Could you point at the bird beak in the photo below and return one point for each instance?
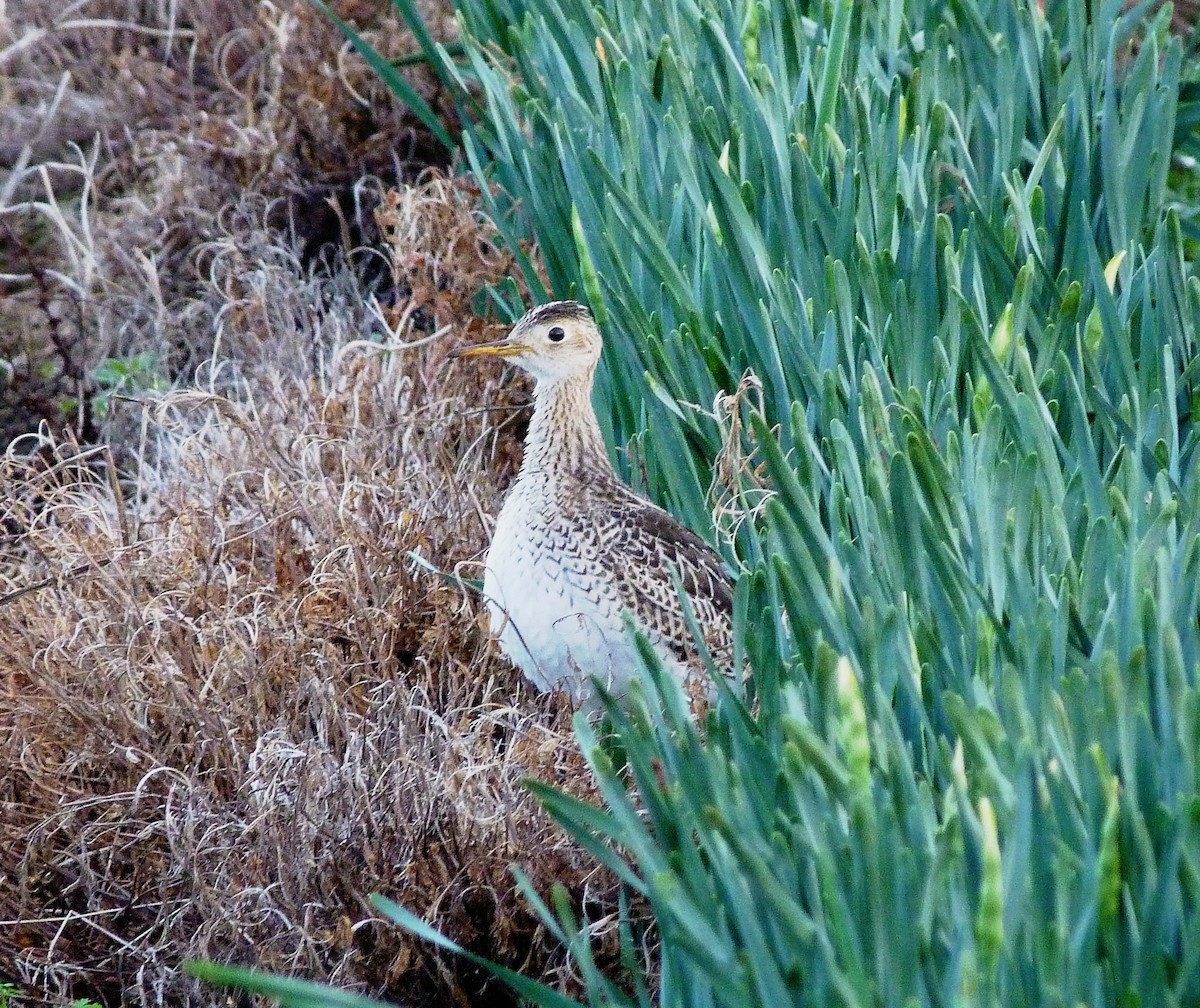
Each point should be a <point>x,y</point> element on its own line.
<point>499,348</point>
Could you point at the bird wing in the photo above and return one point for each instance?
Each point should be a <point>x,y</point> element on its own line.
<point>645,546</point>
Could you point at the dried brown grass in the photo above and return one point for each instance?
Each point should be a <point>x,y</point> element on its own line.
<point>236,706</point>
<point>133,134</point>
<point>232,704</point>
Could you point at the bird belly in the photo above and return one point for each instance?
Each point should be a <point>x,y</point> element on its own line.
<point>552,613</point>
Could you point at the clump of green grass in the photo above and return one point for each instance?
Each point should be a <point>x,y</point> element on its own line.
<point>940,238</point>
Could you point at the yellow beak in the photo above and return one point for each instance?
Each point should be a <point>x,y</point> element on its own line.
<point>498,348</point>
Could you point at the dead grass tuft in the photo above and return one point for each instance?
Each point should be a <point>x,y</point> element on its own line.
<point>233,702</point>
<point>134,134</point>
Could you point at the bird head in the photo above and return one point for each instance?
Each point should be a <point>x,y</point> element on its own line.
<point>554,342</point>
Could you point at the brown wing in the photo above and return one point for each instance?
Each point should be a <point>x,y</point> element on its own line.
<point>646,545</point>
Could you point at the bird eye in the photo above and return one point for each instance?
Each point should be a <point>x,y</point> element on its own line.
<point>557,335</point>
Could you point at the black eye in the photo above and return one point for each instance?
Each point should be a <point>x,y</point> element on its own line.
<point>556,334</point>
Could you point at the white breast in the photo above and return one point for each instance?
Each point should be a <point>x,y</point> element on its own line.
<point>554,615</point>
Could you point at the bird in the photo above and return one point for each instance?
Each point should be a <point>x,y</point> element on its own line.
<point>575,549</point>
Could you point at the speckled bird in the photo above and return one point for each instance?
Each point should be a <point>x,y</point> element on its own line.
<point>574,547</point>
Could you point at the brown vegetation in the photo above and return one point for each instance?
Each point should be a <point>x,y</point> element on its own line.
<point>135,143</point>
<point>234,698</point>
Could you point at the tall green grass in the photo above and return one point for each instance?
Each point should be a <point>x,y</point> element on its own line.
<point>972,599</point>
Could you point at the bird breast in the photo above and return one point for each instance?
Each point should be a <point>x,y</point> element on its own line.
<point>555,614</point>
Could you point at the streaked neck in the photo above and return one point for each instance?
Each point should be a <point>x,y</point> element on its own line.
<point>564,435</point>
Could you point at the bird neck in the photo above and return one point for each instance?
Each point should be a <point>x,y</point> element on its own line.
<point>564,434</point>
